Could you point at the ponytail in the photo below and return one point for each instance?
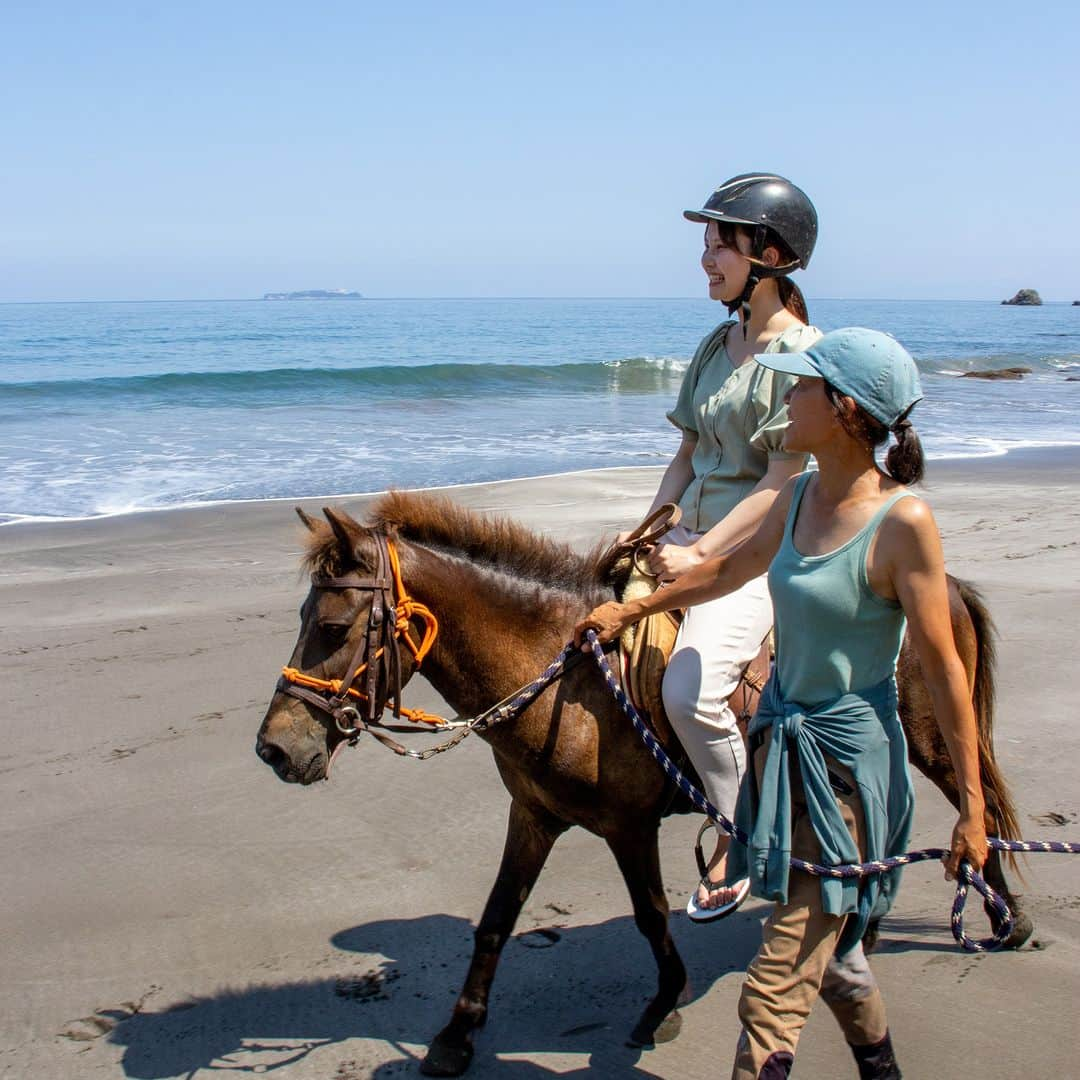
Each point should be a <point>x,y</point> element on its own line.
<point>904,461</point>
<point>792,298</point>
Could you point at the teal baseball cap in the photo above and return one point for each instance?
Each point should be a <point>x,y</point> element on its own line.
<point>871,367</point>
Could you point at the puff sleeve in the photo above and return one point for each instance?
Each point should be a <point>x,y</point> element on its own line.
<point>768,394</point>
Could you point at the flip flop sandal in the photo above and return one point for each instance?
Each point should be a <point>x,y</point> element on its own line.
<point>693,909</point>
<point>700,914</point>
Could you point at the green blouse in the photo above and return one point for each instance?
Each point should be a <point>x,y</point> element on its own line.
<point>738,415</point>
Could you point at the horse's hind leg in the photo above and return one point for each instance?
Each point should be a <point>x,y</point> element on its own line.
<point>1023,927</point>
<point>941,773</point>
<point>638,857</point>
<point>973,632</point>
<point>529,840</point>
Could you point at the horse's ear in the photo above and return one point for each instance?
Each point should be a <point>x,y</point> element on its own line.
<point>350,533</point>
<point>309,522</point>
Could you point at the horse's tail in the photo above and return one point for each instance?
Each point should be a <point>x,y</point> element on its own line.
<point>999,798</point>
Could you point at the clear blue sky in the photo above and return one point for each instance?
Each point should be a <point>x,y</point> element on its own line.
<point>483,149</point>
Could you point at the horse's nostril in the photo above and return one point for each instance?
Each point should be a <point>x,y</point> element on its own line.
<point>271,754</point>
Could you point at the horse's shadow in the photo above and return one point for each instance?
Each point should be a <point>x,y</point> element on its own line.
<point>569,990</point>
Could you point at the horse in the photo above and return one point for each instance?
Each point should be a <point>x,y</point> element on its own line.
<point>506,600</point>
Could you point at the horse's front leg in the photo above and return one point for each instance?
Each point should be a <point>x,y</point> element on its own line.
<point>529,840</point>
<point>638,856</point>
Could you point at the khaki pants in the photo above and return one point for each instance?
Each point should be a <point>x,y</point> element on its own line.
<point>796,960</point>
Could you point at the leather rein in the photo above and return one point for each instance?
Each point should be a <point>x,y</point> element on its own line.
<point>377,654</point>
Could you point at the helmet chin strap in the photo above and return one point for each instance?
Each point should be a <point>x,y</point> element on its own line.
<point>741,303</point>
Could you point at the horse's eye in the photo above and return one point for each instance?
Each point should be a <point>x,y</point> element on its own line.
<point>335,631</point>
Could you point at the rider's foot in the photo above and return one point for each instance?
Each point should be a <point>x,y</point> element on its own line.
<point>711,894</point>
<point>713,899</point>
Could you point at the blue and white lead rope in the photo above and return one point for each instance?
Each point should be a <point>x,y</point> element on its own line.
<point>967,876</point>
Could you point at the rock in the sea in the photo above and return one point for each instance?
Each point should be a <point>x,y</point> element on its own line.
<point>998,373</point>
<point>1076,303</point>
<point>1025,298</point>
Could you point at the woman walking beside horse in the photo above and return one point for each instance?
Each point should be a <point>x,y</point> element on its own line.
<point>728,471</point>
<point>851,555</point>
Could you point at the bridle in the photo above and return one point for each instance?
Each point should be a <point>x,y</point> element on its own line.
<point>377,654</point>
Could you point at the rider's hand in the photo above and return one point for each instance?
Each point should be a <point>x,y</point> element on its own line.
<point>968,843</point>
<point>608,620</point>
<point>669,561</point>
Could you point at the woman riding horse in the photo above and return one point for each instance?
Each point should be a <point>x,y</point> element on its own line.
<point>727,472</point>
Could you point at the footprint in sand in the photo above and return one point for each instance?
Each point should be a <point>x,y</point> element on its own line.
<point>371,986</point>
<point>541,938</point>
<point>103,1021</point>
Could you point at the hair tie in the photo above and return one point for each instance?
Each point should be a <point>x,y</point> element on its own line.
<point>901,426</point>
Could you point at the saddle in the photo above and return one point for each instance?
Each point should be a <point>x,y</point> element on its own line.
<point>646,647</point>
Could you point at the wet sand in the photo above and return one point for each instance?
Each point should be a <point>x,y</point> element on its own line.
<point>171,909</point>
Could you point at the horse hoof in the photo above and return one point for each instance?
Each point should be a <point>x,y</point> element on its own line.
<point>446,1059</point>
<point>669,1027</point>
<point>1023,928</point>
<point>648,1033</point>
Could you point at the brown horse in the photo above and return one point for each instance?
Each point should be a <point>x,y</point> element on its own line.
<point>506,601</point>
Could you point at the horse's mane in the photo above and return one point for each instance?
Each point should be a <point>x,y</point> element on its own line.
<point>497,542</point>
<point>492,541</point>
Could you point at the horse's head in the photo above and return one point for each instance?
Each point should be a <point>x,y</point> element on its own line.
<point>347,662</point>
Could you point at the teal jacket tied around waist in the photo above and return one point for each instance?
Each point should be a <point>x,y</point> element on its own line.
<point>861,731</point>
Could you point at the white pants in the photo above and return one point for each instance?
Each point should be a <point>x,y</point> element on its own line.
<point>715,643</point>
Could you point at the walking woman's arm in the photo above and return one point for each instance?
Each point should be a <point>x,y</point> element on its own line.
<point>670,560</point>
<point>913,552</point>
<point>707,581</point>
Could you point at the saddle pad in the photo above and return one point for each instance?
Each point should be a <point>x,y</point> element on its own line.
<point>645,649</point>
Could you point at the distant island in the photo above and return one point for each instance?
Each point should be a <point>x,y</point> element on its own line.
<point>1025,298</point>
<point>315,294</point>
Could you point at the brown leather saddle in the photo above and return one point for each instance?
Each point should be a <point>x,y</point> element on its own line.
<point>646,647</point>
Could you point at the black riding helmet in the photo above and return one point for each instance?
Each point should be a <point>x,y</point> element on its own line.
<point>765,203</point>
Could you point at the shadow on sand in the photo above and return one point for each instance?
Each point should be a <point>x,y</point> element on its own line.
<point>930,934</point>
<point>566,990</point>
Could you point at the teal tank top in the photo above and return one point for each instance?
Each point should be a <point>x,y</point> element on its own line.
<point>834,634</point>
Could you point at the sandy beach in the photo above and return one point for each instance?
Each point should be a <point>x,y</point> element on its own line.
<point>171,909</point>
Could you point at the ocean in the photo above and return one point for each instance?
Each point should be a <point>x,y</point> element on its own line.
<point>109,408</point>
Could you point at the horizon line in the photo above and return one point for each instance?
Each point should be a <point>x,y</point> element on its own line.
<point>481,299</point>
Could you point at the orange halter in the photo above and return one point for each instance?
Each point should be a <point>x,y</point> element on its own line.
<point>338,691</point>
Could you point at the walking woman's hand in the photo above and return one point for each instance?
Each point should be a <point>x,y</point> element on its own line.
<point>608,620</point>
<point>968,843</point>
